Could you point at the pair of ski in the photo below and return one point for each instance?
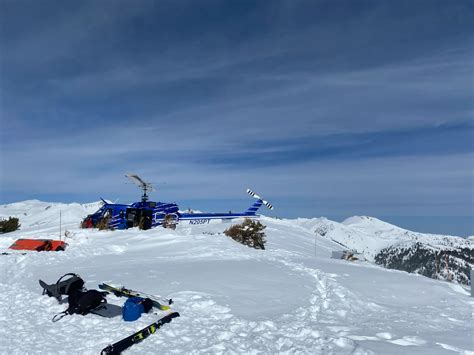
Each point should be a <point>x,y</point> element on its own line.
<point>158,302</point>
<point>161,303</point>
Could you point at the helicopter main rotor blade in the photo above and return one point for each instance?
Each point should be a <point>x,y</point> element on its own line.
<point>136,180</point>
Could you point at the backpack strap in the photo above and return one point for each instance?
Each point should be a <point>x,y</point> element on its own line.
<point>60,316</point>
<point>69,282</point>
<point>62,277</point>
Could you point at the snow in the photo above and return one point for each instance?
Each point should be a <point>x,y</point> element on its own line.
<point>369,235</point>
<point>289,298</point>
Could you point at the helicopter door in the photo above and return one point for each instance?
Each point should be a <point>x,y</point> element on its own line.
<point>133,217</point>
<point>146,219</point>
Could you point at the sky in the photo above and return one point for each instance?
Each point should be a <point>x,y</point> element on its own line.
<point>324,108</point>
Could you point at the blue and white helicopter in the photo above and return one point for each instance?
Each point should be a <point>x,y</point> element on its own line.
<point>148,214</point>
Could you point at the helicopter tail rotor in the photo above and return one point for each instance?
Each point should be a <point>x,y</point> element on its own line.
<point>266,203</point>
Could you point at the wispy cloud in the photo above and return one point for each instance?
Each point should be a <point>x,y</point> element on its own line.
<point>217,95</point>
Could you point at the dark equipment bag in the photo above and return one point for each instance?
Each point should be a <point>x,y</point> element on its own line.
<point>63,287</point>
<point>80,300</point>
<point>85,302</point>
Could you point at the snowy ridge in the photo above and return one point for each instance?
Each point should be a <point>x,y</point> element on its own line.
<point>370,235</point>
<point>436,256</point>
<point>289,298</point>
<point>34,213</point>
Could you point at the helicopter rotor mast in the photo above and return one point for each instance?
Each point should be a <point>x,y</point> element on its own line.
<point>144,186</point>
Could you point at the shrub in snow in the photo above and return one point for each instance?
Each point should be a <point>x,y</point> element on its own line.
<point>324,229</point>
<point>9,225</point>
<point>249,233</point>
<point>169,222</point>
<point>103,223</point>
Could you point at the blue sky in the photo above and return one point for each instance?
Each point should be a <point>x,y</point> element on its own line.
<point>326,108</point>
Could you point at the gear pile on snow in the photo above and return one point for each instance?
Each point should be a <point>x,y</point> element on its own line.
<point>80,300</point>
<point>83,301</point>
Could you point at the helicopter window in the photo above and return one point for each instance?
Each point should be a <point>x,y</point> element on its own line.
<point>131,215</point>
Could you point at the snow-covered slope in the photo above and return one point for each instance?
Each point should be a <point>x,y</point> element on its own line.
<point>36,214</point>
<point>289,298</point>
<point>435,256</point>
<point>370,235</point>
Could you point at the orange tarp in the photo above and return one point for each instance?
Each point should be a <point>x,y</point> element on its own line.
<point>38,245</point>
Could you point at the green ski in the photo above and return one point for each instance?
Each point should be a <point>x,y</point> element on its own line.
<point>137,337</point>
<point>119,291</point>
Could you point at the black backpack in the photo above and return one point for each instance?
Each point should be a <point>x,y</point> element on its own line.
<point>80,300</point>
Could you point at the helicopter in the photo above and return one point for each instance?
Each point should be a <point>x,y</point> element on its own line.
<point>148,214</point>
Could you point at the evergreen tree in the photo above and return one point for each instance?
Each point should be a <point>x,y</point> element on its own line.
<point>9,225</point>
<point>248,233</point>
